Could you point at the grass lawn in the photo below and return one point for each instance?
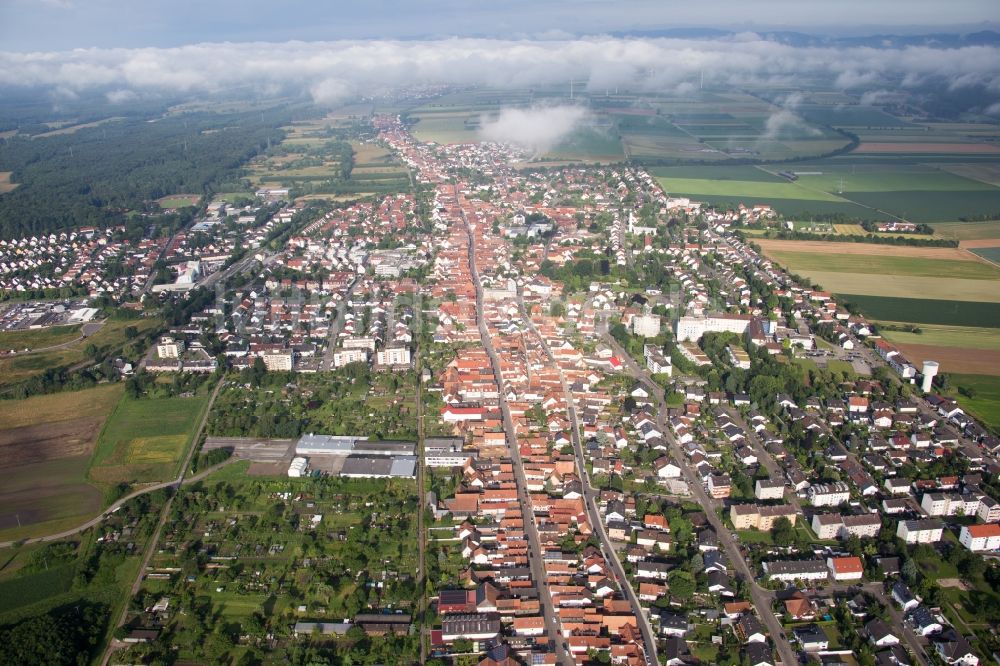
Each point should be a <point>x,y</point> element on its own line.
<point>755,536</point>
<point>145,439</point>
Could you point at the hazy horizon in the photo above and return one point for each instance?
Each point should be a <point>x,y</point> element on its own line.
<point>60,25</point>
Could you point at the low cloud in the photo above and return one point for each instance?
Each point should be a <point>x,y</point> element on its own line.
<point>536,129</point>
<point>786,123</point>
<point>332,71</point>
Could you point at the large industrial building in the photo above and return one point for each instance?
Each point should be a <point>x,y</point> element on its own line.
<point>362,458</point>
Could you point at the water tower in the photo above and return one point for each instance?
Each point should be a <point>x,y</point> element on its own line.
<point>929,371</point>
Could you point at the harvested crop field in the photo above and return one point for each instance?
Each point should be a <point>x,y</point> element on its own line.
<point>947,253</point>
<point>5,184</point>
<point>59,406</point>
<point>946,269</point>
<point>980,242</point>
<point>907,286</point>
<point>46,443</point>
<point>955,359</point>
<point>959,148</point>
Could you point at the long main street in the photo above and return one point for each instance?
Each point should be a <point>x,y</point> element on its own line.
<point>762,598</point>
<point>590,501</point>
<point>535,559</point>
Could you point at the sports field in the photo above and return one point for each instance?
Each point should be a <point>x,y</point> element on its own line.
<point>179,201</point>
<point>145,439</point>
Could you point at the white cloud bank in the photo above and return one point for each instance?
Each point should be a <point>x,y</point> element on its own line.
<point>537,129</point>
<point>332,71</point>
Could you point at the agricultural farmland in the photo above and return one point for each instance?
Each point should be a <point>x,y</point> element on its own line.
<point>807,263</point>
<point>145,439</point>
<point>947,336</point>
<point>981,396</point>
<point>5,184</point>
<point>926,310</point>
<point>46,445</point>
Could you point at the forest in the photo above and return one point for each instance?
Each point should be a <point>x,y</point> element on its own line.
<point>97,176</point>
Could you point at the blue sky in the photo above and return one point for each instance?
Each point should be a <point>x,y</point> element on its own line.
<point>46,25</point>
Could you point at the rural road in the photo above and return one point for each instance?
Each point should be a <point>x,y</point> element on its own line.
<point>180,480</point>
<point>164,512</point>
<point>86,331</point>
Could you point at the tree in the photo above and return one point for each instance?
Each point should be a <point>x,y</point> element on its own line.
<point>782,532</point>
<point>681,583</point>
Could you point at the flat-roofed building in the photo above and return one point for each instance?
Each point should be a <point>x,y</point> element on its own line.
<point>379,467</point>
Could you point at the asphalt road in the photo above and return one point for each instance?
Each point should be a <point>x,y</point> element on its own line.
<point>552,626</point>
<point>86,331</point>
<point>590,500</point>
<point>761,597</point>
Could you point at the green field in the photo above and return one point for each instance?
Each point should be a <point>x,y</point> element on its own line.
<point>37,338</point>
<point>881,179</point>
<point>35,587</point>
<point>718,173</point>
<point>927,311</point>
<point>931,206</point>
<point>906,286</point>
<point>860,189</point>
<point>885,265</point>
<point>16,369</point>
<point>758,190</point>
<point>985,403</point>
<point>948,336</point>
<point>988,253</point>
<point>849,116</point>
<point>145,439</point>
<point>968,230</point>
